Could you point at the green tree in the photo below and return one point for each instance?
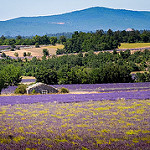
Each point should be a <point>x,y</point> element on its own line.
<point>53,40</point>
<point>2,83</point>
<point>47,76</point>
<point>145,37</point>
<point>24,54</point>
<point>21,89</point>
<point>9,75</point>
<point>37,45</point>
<point>62,39</point>
<point>12,75</point>
<point>16,54</point>
<point>28,54</point>
<point>45,52</point>
<point>3,55</point>
<point>142,77</point>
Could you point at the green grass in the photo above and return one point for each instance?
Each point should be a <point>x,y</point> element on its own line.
<point>133,45</point>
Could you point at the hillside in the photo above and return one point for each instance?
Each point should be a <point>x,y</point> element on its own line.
<point>90,19</point>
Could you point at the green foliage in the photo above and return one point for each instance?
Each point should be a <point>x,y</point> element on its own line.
<point>53,40</point>
<point>3,55</point>
<point>60,51</point>
<point>64,90</point>
<point>89,67</point>
<point>99,40</point>
<point>142,77</point>
<point>11,75</point>
<point>2,83</point>
<point>21,89</point>
<point>91,41</point>
<point>33,92</point>
<point>37,45</point>
<point>16,54</point>
<point>28,54</point>
<point>45,52</point>
<point>24,54</point>
<point>62,39</point>
<point>47,76</point>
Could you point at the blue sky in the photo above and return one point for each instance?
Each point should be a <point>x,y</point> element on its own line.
<point>23,8</point>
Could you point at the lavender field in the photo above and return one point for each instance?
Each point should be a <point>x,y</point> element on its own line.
<point>4,47</point>
<point>93,125</point>
<point>69,98</point>
<point>110,87</point>
<point>114,117</point>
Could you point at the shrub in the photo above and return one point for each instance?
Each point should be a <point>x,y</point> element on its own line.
<point>21,89</point>
<point>64,90</point>
<point>45,52</point>
<point>33,92</point>
<point>37,45</point>
<point>12,49</point>
<point>24,54</point>
<point>60,51</point>
<point>3,55</point>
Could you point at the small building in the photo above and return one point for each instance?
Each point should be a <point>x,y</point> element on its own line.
<point>129,30</point>
<point>41,88</point>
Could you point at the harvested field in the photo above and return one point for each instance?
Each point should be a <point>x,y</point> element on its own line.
<point>38,52</point>
<point>134,45</point>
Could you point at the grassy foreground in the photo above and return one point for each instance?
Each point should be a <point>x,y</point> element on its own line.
<point>133,45</point>
<point>90,125</point>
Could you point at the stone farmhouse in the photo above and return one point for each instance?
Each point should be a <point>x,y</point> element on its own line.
<point>41,88</point>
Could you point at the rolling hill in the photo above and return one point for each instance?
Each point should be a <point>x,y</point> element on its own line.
<point>90,19</point>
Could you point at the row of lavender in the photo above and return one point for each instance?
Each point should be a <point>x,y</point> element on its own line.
<point>65,98</point>
<point>106,87</point>
<point>3,47</point>
<point>110,87</point>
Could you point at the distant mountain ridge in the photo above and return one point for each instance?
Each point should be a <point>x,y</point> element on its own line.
<point>90,19</point>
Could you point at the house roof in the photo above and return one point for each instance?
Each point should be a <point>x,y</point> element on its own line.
<point>129,29</point>
<point>36,85</point>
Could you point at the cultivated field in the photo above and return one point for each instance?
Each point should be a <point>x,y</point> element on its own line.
<point>93,125</point>
<point>38,52</point>
<point>115,117</point>
<point>134,45</point>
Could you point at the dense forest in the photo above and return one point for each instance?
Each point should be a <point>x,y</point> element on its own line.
<point>87,67</point>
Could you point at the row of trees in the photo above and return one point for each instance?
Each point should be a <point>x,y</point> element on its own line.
<point>104,67</point>
<point>110,73</point>
<point>81,41</point>
<point>100,40</point>
<point>35,40</point>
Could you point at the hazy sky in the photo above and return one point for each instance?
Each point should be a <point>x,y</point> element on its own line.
<point>24,8</point>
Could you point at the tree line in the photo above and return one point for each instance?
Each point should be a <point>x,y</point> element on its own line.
<point>82,41</point>
<point>90,68</point>
<point>100,40</point>
<point>35,40</point>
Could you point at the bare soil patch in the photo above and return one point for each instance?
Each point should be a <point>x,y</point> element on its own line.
<point>37,52</point>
